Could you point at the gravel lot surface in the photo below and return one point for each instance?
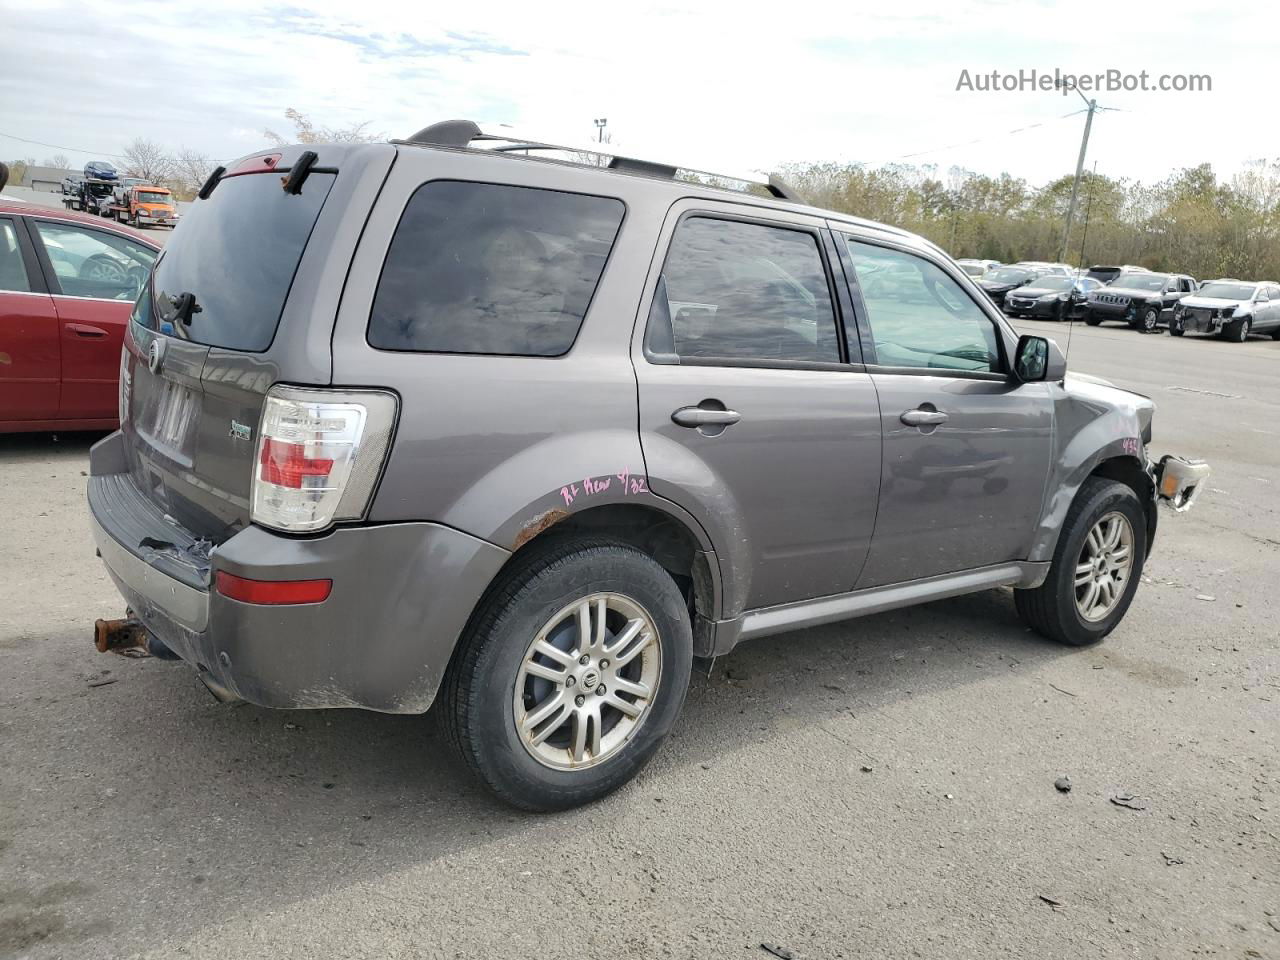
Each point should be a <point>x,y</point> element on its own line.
<point>878,788</point>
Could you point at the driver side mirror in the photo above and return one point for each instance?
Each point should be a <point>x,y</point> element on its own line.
<point>1038,359</point>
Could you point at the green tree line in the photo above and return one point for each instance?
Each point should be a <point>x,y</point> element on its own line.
<point>1192,221</point>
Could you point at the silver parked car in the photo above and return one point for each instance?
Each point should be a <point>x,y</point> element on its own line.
<point>433,420</point>
<point>1230,308</point>
<point>977,268</point>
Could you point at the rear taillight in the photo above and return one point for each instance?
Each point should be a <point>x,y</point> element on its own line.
<point>319,455</point>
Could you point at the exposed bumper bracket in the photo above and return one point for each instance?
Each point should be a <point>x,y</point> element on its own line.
<point>1179,481</point>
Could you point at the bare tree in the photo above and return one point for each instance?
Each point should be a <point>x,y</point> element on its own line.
<point>603,141</point>
<point>147,160</point>
<point>190,170</point>
<point>305,131</point>
<point>18,169</point>
<point>58,160</point>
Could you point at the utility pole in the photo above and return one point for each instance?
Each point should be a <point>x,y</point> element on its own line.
<point>1088,208</point>
<point>1075,186</point>
<point>601,123</point>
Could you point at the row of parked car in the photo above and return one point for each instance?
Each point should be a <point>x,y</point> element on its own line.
<point>1143,299</point>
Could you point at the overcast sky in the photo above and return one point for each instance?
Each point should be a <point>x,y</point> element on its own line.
<point>728,84</point>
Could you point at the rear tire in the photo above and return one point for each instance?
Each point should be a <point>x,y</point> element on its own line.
<point>1054,609</point>
<point>1091,319</point>
<point>498,682</point>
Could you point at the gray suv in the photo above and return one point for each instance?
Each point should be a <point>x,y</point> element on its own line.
<point>436,419</point>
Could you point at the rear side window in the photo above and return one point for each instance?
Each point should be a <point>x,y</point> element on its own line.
<point>94,263</point>
<point>236,254</point>
<point>13,274</point>
<point>743,291</point>
<point>492,269</point>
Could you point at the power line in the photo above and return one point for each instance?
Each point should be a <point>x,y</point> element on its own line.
<point>98,153</point>
<point>967,143</point>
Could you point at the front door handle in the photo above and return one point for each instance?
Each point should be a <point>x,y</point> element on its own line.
<point>84,330</point>
<point>702,417</point>
<point>923,418</point>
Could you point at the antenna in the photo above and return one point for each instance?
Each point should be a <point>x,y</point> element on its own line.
<point>1088,208</point>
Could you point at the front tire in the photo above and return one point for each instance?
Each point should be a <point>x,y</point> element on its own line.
<point>1148,320</point>
<point>1096,567</point>
<point>1091,318</point>
<point>571,673</point>
<point>1238,331</point>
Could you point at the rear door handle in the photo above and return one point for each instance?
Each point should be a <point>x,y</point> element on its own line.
<point>923,418</point>
<point>84,330</point>
<point>702,417</point>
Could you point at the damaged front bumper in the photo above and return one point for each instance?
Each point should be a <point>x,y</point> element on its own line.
<point>1179,481</point>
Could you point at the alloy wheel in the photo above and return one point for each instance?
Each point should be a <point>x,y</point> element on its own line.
<point>1104,566</point>
<point>587,681</point>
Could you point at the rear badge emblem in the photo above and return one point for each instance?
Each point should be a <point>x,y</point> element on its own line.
<point>155,355</point>
<point>240,431</point>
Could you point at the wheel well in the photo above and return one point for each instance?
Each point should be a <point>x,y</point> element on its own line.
<point>1132,474</point>
<point>658,534</point>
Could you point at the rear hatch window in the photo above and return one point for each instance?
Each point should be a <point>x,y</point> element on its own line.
<point>216,298</point>
<point>236,254</point>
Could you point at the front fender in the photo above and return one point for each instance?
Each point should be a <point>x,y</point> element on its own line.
<point>1095,423</point>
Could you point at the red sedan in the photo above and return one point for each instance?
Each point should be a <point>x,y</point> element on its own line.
<point>67,285</point>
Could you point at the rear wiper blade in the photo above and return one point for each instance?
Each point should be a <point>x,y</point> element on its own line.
<point>182,307</point>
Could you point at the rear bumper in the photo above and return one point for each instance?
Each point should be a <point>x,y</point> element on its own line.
<point>401,595</point>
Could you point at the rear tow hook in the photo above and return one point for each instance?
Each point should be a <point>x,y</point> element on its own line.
<point>127,637</point>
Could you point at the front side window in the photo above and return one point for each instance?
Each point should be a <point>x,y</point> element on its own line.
<point>744,291</point>
<point>94,263</point>
<point>919,316</point>
<point>492,269</point>
<point>13,273</point>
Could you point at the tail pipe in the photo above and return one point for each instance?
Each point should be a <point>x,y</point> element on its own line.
<point>129,638</point>
<point>126,636</point>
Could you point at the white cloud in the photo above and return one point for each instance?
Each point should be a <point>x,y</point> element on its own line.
<point>739,84</point>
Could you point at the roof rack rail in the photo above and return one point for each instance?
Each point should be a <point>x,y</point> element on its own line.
<point>463,133</point>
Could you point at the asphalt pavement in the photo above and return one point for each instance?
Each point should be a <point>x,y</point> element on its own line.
<point>877,788</point>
